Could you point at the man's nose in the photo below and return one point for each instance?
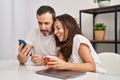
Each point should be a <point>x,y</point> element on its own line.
<point>43,27</point>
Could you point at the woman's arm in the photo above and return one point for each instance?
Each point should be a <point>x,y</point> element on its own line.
<point>88,62</point>
<point>87,65</point>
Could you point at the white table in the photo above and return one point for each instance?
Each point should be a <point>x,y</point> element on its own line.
<point>12,70</point>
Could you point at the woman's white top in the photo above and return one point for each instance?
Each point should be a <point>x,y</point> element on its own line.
<point>75,58</point>
<point>44,45</point>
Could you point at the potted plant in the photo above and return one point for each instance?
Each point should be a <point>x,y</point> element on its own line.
<point>99,31</point>
<point>102,3</point>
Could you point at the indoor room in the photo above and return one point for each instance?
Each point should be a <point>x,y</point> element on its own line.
<point>93,55</point>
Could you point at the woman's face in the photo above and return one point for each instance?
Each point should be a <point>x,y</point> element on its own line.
<point>59,31</point>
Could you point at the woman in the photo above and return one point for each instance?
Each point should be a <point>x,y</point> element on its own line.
<point>75,51</point>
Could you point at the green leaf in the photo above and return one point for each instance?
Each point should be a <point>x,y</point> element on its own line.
<point>99,26</point>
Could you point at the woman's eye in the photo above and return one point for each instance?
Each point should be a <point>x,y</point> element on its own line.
<point>58,28</point>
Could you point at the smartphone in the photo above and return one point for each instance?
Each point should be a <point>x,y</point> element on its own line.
<point>22,42</point>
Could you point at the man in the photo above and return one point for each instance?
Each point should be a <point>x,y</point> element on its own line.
<point>41,40</point>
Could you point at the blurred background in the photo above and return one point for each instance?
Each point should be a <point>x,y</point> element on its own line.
<point>18,17</point>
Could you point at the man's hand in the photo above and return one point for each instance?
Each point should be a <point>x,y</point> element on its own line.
<point>23,53</point>
<point>38,59</point>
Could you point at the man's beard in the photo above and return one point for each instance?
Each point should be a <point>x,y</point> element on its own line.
<point>46,32</point>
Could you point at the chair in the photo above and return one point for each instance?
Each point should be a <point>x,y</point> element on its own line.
<point>111,62</point>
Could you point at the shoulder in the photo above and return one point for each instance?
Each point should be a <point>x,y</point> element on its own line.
<point>34,31</point>
<point>79,37</point>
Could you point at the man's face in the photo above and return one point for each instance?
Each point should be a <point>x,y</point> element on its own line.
<point>45,23</point>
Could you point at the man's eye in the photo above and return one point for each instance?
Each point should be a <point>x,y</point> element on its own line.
<point>46,23</point>
<point>39,23</point>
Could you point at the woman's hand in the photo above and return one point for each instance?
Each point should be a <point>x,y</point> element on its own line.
<point>57,63</point>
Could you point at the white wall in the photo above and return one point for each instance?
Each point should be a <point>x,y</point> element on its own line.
<point>6,33</point>
<point>22,18</point>
<point>17,17</point>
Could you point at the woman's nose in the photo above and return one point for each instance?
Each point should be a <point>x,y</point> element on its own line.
<point>55,31</point>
